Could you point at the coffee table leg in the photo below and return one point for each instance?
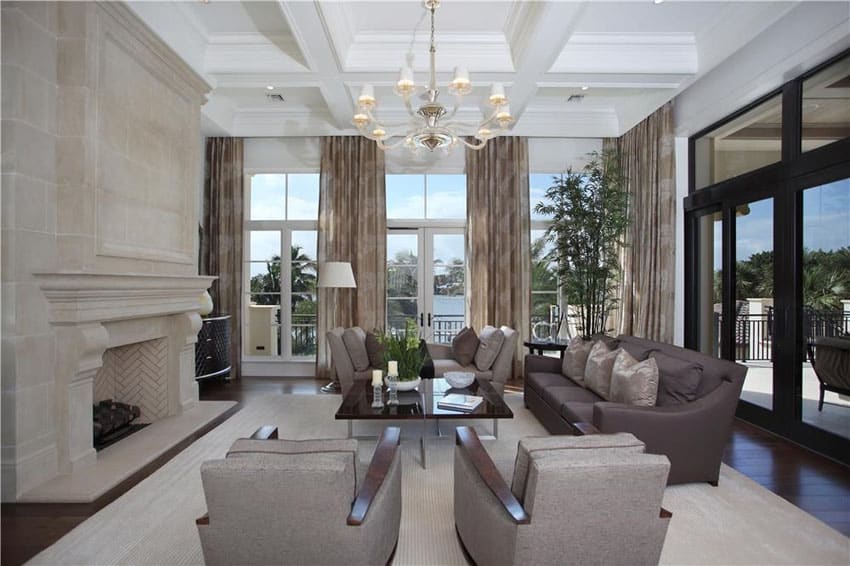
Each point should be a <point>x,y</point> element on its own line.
<point>422,443</point>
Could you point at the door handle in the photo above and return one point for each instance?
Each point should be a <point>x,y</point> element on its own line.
<point>429,320</point>
<point>422,319</point>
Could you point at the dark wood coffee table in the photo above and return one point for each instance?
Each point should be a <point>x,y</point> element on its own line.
<point>421,404</point>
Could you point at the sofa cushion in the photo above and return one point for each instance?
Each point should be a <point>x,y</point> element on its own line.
<point>577,412</point>
<point>634,382</point>
<point>557,396</point>
<point>490,342</point>
<point>464,346</point>
<point>540,380</point>
<point>355,344</point>
<point>575,359</point>
<point>678,380</point>
<point>639,348</point>
<point>375,350</point>
<point>597,373</point>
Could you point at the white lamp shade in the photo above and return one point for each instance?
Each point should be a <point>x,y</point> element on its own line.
<point>336,274</point>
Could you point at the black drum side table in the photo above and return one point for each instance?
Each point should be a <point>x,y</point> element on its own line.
<point>536,347</point>
<point>212,350</point>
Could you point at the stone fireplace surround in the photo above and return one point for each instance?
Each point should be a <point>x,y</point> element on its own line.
<point>93,312</point>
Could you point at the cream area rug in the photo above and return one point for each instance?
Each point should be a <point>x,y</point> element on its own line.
<point>738,522</point>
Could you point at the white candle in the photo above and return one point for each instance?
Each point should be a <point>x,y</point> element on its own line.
<point>392,367</point>
<point>376,377</point>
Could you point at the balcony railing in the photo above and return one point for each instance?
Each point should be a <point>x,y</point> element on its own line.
<point>754,332</point>
<point>444,327</point>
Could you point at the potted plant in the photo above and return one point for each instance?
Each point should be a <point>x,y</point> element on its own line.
<point>403,347</point>
<point>590,215</point>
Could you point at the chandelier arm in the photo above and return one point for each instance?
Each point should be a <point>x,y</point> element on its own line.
<point>389,146</point>
<point>408,106</point>
<point>476,146</point>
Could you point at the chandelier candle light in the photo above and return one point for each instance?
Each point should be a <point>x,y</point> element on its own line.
<point>431,125</point>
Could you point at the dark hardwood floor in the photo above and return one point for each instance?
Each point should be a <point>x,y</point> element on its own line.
<point>812,482</point>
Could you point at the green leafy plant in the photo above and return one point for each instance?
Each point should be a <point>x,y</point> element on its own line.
<point>590,215</point>
<point>403,347</point>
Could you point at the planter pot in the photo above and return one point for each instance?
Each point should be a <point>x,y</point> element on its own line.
<point>407,385</point>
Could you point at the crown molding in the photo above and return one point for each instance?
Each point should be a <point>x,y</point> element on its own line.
<point>671,53</point>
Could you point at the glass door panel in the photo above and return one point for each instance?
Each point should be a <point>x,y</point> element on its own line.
<point>709,282</point>
<point>302,293</point>
<point>403,272</point>
<point>754,295</point>
<point>262,336</point>
<point>826,299</point>
<point>448,265</point>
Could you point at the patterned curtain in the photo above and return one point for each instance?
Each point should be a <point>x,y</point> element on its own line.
<point>498,245</point>
<point>648,283</point>
<point>221,244</point>
<point>353,228</point>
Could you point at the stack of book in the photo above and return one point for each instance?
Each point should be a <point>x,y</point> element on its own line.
<point>459,402</point>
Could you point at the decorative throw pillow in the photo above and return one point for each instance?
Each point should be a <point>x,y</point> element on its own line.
<point>678,379</point>
<point>464,346</point>
<point>634,382</point>
<point>355,343</point>
<point>575,359</point>
<point>375,350</point>
<point>597,372</point>
<point>490,342</point>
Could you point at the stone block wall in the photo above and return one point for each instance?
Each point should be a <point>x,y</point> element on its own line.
<point>100,145</point>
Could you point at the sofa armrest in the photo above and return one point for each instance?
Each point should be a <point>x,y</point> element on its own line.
<point>440,351</point>
<point>692,435</point>
<point>546,364</point>
<point>379,467</point>
<point>468,440</point>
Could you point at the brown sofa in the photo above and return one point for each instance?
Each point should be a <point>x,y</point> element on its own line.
<point>692,434</point>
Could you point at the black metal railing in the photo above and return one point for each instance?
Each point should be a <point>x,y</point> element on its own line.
<point>754,333</point>
<point>446,327</point>
<point>304,334</point>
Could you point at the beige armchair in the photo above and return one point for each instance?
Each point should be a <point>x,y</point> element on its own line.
<point>302,502</point>
<point>592,499</point>
<point>498,374</point>
<point>343,359</point>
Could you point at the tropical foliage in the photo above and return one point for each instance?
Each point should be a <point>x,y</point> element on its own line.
<point>589,211</point>
<point>826,278</point>
<point>402,345</point>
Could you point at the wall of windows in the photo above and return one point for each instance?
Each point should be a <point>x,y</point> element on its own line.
<point>768,250</point>
<point>545,300</point>
<point>280,266</point>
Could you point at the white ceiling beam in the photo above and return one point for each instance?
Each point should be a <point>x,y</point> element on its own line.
<point>537,35</point>
<point>308,27</point>
<point>674,53</point>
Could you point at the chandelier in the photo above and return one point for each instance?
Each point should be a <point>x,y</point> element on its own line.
<point>431,125</point>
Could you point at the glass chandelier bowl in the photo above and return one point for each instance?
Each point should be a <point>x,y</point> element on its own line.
<point>431,125</point>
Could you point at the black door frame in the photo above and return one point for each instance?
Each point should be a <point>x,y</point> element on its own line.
<point>785,182</point>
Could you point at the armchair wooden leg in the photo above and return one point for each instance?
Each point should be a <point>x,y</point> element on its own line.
<point>820,402</point>
<point>267,432</point>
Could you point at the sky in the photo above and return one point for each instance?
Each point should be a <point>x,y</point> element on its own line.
<point>826,223</point>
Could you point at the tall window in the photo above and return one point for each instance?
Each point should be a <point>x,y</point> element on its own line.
<point>544,270</point>
<point>426,253</point>
<point>280,268</point>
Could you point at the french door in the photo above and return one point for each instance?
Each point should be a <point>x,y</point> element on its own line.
<point>426,280</point>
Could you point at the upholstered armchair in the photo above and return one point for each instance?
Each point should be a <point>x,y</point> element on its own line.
<point>498,374</point>
<point>592,499</point>
<point>302,502</point>
<point>349,356</point>
<point>830,359</point>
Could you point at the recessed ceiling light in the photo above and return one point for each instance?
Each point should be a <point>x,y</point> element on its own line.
<point>269,87</point>
<point>585,87</point>
<point>657,1</point>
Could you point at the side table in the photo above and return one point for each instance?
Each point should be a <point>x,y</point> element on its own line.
<point>537,347</point>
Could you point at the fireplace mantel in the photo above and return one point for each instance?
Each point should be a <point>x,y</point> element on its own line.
<point>76,297</point>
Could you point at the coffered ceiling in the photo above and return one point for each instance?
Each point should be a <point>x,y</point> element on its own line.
<point>572,69</point>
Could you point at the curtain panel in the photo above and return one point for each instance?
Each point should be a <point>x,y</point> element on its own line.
<point>497,237</point>
<point>352,228</point>
<point>647,287</point>
<point>222,230</point>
